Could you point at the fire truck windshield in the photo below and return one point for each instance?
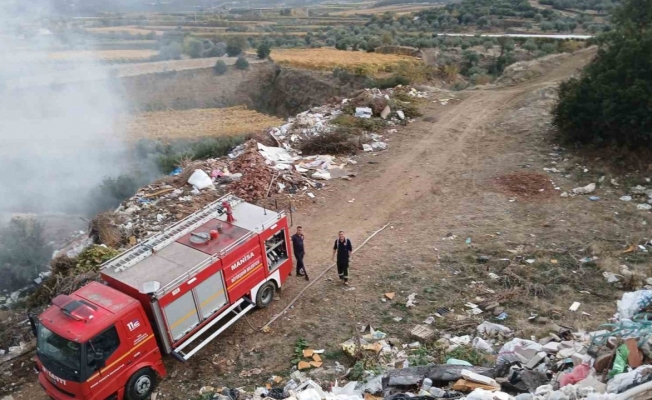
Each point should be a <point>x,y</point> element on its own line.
<point>60,356</point>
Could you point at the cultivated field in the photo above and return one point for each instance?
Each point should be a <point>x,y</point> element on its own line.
<point>198,123</point>
<point>249,34</point>
<point>327,59</point>
<point>104,55</point>
<point>127,29</point>
<point>398,9</point>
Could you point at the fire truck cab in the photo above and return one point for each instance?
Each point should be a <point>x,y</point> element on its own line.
<point>171,294</point>
<point>90,342</point>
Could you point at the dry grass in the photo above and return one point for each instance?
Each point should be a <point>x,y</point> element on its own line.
<point>105,55</point>
<point>221,33</point>
<point>198,123</point>
<point>398,9</point>
<point>186,28</point>
<point>327,59</point>
<point>128,29</point>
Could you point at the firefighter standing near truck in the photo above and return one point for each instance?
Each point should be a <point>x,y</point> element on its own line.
<point>343,249</point>
<point>299,250</point>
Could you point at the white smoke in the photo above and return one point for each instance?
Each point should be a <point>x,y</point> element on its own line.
<point>59,120</point>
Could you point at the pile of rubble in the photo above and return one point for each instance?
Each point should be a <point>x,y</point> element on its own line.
<point>253,171</point>
<point>614,363</point>
<point>368,104</point>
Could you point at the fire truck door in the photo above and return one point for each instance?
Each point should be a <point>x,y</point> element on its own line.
<point>210,295</point>
<point>181,315</point>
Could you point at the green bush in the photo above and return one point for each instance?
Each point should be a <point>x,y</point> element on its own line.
<point>392,81</point>
<point>113,191</point>
<point>264,50</point>
<point>193,47</point>
<point>235,46</point>
<point>610,102</point>
<point>220,67</point>
<point>242,63</point>
<point>170,156</point>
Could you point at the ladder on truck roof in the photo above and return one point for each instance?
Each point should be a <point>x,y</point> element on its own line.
<point>162,239</point>
<point>238,311</point>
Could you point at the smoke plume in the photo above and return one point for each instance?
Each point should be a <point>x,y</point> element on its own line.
<point>59,119</point>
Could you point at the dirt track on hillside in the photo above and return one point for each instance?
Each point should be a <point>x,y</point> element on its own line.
<point>435,179</point>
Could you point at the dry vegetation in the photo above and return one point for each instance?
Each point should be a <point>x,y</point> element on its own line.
<point>249,34</point>
<point>104,55</point>
<point>128,29</point>
<point>399,9</point>
<point>327,59</point>
<point>198,123</point>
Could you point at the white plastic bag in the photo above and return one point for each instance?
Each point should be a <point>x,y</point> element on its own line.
<point>482,345</point>
<point>491,329</point>
<point>585,189</point>
<point>348,392</point>
<point>348,389</point>
<point>323,175</point>
<point>480,394</point>
<point>633,302</point>
<point>308,394</point>
<point>621,382</point>
<point>518,350</point>
<point>200,180</point>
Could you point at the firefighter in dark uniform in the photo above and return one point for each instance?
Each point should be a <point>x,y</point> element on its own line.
<point>343,249</point>
<point>299,251</point>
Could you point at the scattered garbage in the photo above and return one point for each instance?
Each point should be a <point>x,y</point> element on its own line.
<point>200,180</point>
<point>590,188</point>
<point>364,112</point>
<point>411,302</point>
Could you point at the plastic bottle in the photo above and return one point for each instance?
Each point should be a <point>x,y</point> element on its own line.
<point>426,384</point>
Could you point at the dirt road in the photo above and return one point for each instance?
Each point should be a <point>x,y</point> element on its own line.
<point>436,180</point>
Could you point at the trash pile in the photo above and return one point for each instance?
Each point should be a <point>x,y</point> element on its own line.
<point>614,363</point>
<point>254,171</point>
<point>15,335</point>
<point>390,105</point>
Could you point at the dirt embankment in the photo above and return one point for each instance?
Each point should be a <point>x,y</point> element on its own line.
<point>265,87</point>
<point>524,71</point>
<point>292,91</point>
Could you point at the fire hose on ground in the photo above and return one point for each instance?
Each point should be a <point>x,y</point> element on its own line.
<point>312,282</point>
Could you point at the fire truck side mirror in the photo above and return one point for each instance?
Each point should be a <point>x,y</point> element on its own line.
<point>32,323</point>
<point>97,360</point>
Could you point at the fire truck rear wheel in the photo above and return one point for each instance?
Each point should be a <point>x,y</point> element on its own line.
<point>140,385</point>
<point>265,295</point>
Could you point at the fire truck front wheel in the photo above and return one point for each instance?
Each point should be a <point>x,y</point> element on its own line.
<point>265,295</point>
<point>140,385</point>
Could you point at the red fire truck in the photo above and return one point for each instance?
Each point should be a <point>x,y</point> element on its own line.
<point>171,294</point>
